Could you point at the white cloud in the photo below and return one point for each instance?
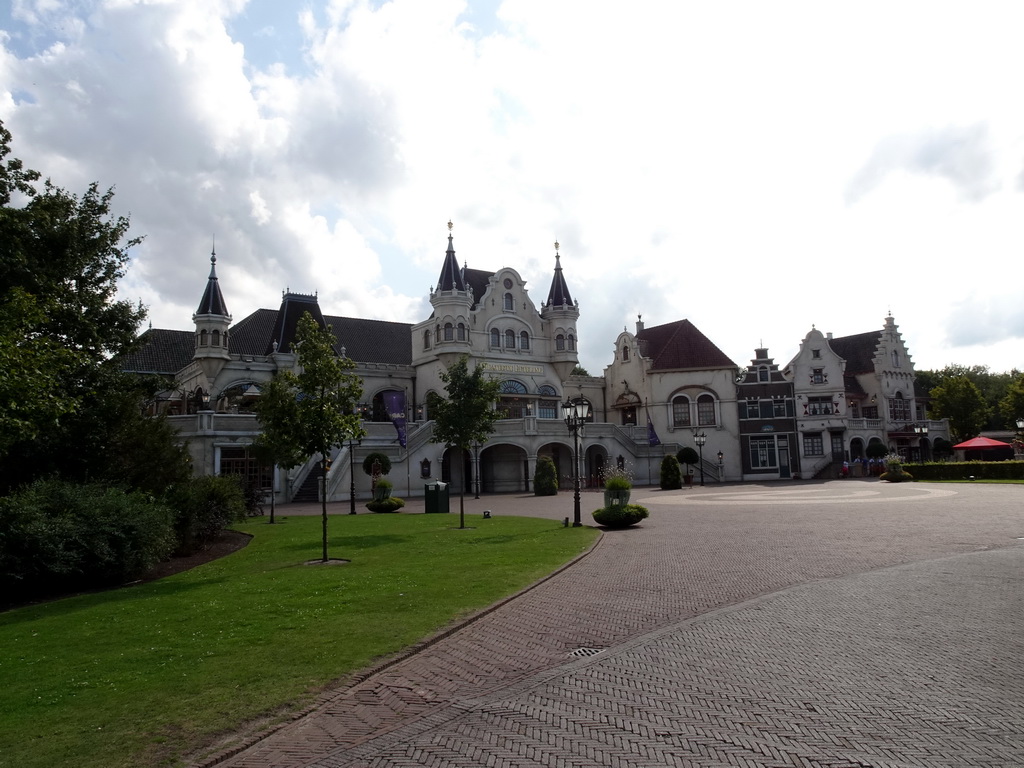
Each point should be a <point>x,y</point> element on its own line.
<point>693,160</point>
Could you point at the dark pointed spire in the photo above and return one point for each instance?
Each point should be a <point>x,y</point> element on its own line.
<point>212,302</point>
<point>451,276</point>
<point>559,293</point>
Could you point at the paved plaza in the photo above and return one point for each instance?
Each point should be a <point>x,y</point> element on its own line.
<point>841,624</point>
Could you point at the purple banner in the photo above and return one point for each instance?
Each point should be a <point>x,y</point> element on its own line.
<point>652,436</point>
<point>394,402</point>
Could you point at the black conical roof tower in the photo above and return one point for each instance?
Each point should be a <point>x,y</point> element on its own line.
<point>451,278</point>
<point>212,302</point>
<point>559,293</point>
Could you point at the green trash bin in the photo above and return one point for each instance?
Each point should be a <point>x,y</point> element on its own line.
<point>436,497</point>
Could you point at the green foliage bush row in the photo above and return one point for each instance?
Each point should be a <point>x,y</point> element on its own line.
<point>962,470</point>
<point>620,516</point>
<point>545,477</point>
<point>57,536</point>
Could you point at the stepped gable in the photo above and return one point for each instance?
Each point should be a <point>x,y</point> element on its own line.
<point>858,351</point>
<point>160,351</point>
<point>680,345</point>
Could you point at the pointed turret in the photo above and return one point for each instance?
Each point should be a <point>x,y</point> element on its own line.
<point>212,323</point>
<point>559,294</point>
<point>451,278</point>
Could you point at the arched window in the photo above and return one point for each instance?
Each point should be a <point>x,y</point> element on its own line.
<point>524,340</point>
<point>461,330</point>
<point>203,338</point>
<point>681,411</point>
<point>215,338</point>
<point>559,342</point>
<point>510,339</point>
<point>895,359</point>
<point>705,411</point>
<point>572,342</point>
<point>512,387</point>
<point>509,303</point>
<point>625,354</point>
<point>426,339</point>
<point>495,337</point>
<point>225,339</point>
<point>449,332</point>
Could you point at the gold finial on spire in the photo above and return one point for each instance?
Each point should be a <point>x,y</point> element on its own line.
<point>556,247</point>
<point>450,225</point>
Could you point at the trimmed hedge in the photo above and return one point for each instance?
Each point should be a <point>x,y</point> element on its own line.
<point>621,516</point>
<point>962,470</point>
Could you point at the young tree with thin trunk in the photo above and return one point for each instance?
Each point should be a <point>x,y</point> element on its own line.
<point>314,410</point>
<point>467,415</point>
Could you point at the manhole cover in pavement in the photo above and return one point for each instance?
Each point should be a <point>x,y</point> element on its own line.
<point>582,653</point>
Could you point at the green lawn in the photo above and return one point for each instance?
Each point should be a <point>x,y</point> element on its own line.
<point>139,676</point>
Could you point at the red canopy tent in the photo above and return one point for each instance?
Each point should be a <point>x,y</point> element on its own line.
<point>980,443</point>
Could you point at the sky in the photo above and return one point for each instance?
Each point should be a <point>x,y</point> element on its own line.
<point>758,168</point>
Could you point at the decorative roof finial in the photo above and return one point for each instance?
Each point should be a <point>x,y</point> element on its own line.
<point>556,247</point>
<point>450,225</point>
<point>213,250</point>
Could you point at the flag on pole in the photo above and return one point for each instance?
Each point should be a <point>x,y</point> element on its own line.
<point>652,436</point>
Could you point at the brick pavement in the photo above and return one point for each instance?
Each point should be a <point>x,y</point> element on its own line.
<point>744,625</point>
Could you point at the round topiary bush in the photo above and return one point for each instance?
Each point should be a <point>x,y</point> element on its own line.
<point>621,516</point>
<point>390,504</point>
<point>383,461</point>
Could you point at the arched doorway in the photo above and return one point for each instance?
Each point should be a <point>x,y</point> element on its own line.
<point>504,469</point>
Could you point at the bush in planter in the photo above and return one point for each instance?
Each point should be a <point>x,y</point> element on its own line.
<point>894,472</point>
<point>545,477</point>
<point>620,516</point>
<point>617,485</point>
<point>382,490</point>
<point>390,504</point>
<point>671,478</point>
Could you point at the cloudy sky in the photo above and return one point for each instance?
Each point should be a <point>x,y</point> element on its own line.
<point>758,168</point>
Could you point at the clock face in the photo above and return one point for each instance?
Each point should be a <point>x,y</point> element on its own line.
<point>508,282</point>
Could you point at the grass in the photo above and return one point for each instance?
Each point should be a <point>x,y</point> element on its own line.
<point>143,675</point>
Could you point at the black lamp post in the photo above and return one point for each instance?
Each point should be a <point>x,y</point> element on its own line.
<point>352,475</point>
<point>575,413</point>
<point>700,438</point>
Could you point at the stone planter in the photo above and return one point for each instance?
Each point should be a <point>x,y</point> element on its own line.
<point>616,498</point>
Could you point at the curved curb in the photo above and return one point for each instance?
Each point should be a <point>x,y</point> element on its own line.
<point>362,676</point>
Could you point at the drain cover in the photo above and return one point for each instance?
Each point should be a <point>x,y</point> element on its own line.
<point>582,653</point>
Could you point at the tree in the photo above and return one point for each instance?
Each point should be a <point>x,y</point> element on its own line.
<point>993,386</point>
<point>314,410</point>
<point>960,401</point>
<point>1011,407</point>
<point>689,457</point>
<point>579,370</point>
<point>467,415</point>
<point>670,477</point>
<point>277,444</point>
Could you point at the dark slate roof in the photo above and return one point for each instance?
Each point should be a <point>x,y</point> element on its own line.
<point>293,307</point>
<point>477,281</point>
<point>212,302</point>
<point>451,275</point>
<point>680,345</point>
<point>858,350</point>
<point>559,292</point>
<point>373,341</point>
<point>160,351</point>
<point>851,384</point>
<point>251,335</point>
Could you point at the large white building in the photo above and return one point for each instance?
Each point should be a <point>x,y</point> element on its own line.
<point>664,385</point>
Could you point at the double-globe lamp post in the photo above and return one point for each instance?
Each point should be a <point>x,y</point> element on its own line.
<point>700,438</point>
<point>576,412</point>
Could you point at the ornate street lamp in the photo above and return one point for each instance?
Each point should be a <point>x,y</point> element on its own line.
<point>352,475</point>
<point>575,412</point>
<point>700,438</point>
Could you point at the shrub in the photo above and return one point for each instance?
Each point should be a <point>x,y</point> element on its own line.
<point>390,504</point>
<point>381,459</point>
<point>545,477</point>
<point>671,478</point>
<point>621,516</point>
<point>688,456</point>
<point>617,482</point>
<point>382,490</point>
<point>57,536</point>
<point>896,476</point>
<point>204,506</point>
<point>961,470</point>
